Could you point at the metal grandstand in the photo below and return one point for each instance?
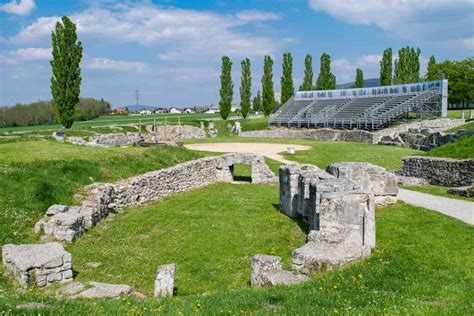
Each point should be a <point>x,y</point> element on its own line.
<point>364,108</point>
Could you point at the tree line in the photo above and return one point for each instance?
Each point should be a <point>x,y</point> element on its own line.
<point>43,112</point>
<point>265,101</point>
<point>404,69</point>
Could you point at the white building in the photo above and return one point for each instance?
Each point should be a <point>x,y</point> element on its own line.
<point>175,111</point>
<point>144,112</point>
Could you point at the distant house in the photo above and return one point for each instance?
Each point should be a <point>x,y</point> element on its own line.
<point>212,109</point>
<point>144,112</point>
<point>161,111</point>
<point>235,108</point>
<point>175,111</point>
<point>120,111</point>
<point>188,111</point>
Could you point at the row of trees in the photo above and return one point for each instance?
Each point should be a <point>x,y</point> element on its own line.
<point>405,69</point>
<point>43,112</point>
<point>266,101</point>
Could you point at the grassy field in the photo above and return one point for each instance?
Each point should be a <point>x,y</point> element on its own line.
<point>468,126</point>
<point>463,148</point>
<point>211,243</point>
<point>457,114</point>
<point>422,265</point>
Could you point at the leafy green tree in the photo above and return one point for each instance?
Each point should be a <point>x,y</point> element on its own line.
<point>432,70</point>
<point>308,74</point>
<point>245,87</point>
<point>460,75</point>
<point>287,88</point>
<point>66,77</point>
<point>257,102</point>
<point>359,81</point>
<point>227,88</point>
<point>386,68</point>
<point>326,80</point>
<point>407,66</point>
<point>268,94</point>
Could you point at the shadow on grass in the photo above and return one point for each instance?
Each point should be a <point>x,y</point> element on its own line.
<point>299,221</point>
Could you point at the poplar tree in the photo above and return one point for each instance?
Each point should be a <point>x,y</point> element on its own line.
<point>268,95</point>
<point>359,81</point>
<point>386,68</point>
<point>287,88</point>
<point>227,88</point>
<point>326,80</point>
<point>432,70</point>
<point>308,74</point>
<point>257,102</point>
<point>407,66</point>
<point>245,87</point>
<point>66,71</point>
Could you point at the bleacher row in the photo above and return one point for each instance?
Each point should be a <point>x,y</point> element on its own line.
<point>361,112</point>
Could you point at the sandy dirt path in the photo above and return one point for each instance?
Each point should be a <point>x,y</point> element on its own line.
<point>268,150</point>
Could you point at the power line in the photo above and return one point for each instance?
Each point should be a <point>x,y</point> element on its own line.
<point>137,96</point>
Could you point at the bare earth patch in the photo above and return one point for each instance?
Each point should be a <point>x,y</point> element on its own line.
<point>271,151</point>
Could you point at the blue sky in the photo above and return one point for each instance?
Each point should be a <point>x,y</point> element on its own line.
<point>171,50</point>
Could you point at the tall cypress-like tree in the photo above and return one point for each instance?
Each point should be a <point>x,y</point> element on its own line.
<point>227,88</point>
<point>308,74</point>
<point>257,102</point>
<point>359,81</point>
<point>245,87</point>
<point>386,68</point>
<point>407,66</point>
<point>432,70</point>
<point>65,65</point>
<point>326,80</point>
<point>268,94</point>
<point>287,88</point>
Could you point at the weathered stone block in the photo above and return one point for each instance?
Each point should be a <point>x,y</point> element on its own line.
<point>164,281</point>
<point>104,290</point>
<point>262,264</point>
<point>65,226</point>
<point>37,264</point>
<point>56,209</point>
<point>282,277</point>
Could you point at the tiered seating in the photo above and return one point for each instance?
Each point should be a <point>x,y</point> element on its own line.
<point>364,108</point>
<point>289,111</point>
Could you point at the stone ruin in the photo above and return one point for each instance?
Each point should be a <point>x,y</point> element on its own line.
<point>37,264</point>
<point>338,205</point>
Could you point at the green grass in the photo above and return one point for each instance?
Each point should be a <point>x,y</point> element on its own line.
<point>468,126</point>
<point>423,264</point>
<point>436,190</point>
<point>456,114</point>
<point>463,148</point>
<point>192,119</point>
<point>34,175</point>
<point>212,243</point>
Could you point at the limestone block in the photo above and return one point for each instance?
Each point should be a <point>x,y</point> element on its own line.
<point>288,178</point>
<point>39,226</point>
<point>65,226</point>
<point>305,178</point>
<point>262,264</point>
<point>104,290</point>
<point>91,215</point>
<point>370,177</point>
<point>37,264</point>
<point>164,281</point>
<point>282,277</point>
<point>56,209</point>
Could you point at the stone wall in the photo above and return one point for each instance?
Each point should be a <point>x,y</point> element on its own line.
<point>323,134</point>
<point>440,171</point>
<point>98,200</point>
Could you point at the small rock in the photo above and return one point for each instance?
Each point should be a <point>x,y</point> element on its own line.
<point>139,295</point>
<point>31,306</point>
<point>56,209</point>
<point>71,288</point>
<point>262,264</point>
<point>39,226</point>
<point>164,281</point>
<point>282,277</point>
<point>104,290</point>
<point>94,264</point>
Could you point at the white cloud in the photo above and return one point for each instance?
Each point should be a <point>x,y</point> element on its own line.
<point>469,43</point>
<point>26,54</point>
<point>253,16</point>
<point>434,20</point>
<point>177,33</point>
<point>345,69</point>
<point>115,65</point>
<point>21,7</point>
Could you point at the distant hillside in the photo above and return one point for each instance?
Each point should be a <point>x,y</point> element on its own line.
<point>135,108</point>
<point>368,83</point>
